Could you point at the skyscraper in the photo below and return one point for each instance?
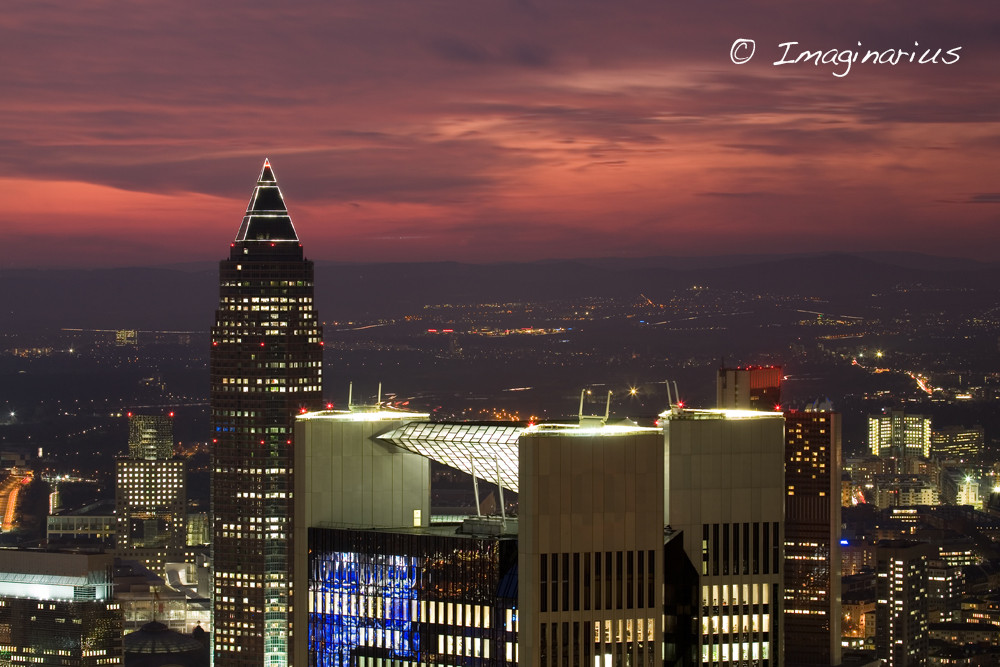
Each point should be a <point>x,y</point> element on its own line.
<point>150,495</point>
<point>400,591</point>
<point>812,537</point>
<point>266,367</point>
<point>724,481</point>
<point>590,557</point>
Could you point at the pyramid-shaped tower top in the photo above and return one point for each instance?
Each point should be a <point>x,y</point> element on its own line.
<point>267,218</point>
<point>266,175</point>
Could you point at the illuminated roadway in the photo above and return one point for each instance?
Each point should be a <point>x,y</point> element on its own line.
<point>9,490</point>
<point>922,382</point>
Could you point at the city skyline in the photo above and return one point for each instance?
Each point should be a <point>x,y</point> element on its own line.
<point>497,133</point>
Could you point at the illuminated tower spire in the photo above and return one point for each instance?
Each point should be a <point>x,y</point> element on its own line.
<point>267,217</point>
<point>266,367</point>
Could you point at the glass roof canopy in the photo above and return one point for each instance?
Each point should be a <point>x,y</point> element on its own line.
<point>478,449</point>
<point>488,451</point>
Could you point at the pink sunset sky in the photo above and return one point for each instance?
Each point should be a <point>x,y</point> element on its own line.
<point>411,130</point>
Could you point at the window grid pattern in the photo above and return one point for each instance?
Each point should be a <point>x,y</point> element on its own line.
<point>737,619</point>
<point>606,602</point>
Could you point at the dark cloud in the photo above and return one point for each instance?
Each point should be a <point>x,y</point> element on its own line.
<point>985,198</point>
<point>736,195</point>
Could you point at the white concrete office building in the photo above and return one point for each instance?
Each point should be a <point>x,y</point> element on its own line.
<point>724,475</point>
<point>590,545</point>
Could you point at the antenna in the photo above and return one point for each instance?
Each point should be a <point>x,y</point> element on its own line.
<point>475,484</point>
<point>582,392</point>
<point>607,407</point>
<point>503,510</point>
<point>350,395</point>
<point>670,402</point>
<point>378,401</point>
<point>677,393</point>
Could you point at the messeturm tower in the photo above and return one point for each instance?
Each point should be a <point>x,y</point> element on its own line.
<point>266,367</point>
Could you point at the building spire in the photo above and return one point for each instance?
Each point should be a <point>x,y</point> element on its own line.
<point>267,217</point>
<point>266,175</point>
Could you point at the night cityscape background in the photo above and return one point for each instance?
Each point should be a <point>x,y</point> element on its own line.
<point>506,205</point>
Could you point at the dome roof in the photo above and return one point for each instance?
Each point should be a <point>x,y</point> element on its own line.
<point>155,637</point>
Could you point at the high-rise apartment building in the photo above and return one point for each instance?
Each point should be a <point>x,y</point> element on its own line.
<point>724,478</point>
<point>901,602</point>
<point>265,366</point>
<point>945,590</point>
<point>150,495</point>
<point>899,435</point>
<point>812,538</point>
<point>749,388</point>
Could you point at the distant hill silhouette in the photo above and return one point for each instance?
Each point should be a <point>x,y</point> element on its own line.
<point>183,297</point>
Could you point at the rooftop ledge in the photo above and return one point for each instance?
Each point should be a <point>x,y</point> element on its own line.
<point>360,414</point>
<point>684,413</point>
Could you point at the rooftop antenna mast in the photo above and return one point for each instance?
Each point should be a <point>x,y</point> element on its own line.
<point>594,421</point>
<point>350,395</point>
<point>503,510</point>
<point>378,400</point>
<point>475,485</point>
<point>673,401</point>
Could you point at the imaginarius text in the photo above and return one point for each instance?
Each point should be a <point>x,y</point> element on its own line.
<point>848,57</point>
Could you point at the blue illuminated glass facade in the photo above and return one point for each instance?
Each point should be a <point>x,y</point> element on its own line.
<point>411,597</point>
